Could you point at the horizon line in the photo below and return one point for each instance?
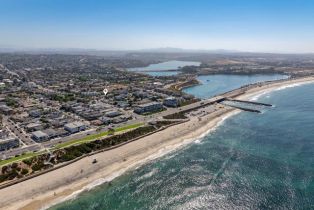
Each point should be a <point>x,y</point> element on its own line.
<point>156,50</point>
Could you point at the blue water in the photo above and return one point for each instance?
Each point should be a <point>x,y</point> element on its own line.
<point>160,69</point>
<point>216,84</point>
<point>161,73</point>
<point>252,161</point>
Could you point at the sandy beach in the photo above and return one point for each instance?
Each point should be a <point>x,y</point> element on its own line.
<point>66,182</point>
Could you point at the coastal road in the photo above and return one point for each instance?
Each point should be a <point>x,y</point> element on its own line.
<point>138,119</point>
<point>19,151</point>
<point>32,146</point>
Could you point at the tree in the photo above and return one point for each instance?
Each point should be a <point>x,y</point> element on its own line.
<point>10,102</point>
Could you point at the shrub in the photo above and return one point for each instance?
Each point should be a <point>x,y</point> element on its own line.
<point>4,169</point>
<point>14,165</point>
<point>28,161</point>
<point>84,148</point>
<point>178,115</point>
<point>24,171</point>
<point>67,157</point>
<point>12,174</point>
<point>3,177</point>
<point>37,167</point>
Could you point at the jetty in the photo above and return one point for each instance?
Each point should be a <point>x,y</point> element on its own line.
<point>243,108</point>
<point>249,102</point>
<point>244,105</point>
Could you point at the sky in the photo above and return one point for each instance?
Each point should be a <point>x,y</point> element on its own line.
<point>244,25</point>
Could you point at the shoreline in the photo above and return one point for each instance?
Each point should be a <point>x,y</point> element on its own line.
<point>67,182</point>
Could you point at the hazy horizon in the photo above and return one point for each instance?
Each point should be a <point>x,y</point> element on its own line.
<point>243,25</point>
<point>11,49</point>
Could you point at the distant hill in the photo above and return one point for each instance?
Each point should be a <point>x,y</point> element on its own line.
<point>122,53</point>
<point>180,50</point>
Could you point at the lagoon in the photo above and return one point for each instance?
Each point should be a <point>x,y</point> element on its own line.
<point>252,161</point>
<point>165,68</point>
<point>212,85</point>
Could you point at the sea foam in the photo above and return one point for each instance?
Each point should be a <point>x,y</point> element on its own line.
<point>167,149</point>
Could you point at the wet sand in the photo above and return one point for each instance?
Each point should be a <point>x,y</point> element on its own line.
<point>65,183</point>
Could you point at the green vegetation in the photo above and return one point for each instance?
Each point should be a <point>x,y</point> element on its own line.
<point>189,69</point>
<point>82,78</point>
<point>21,157</point>
<point>26,157</point>
<point>157,111</point>
<point>11,102</point>
<point>30,163</point>
<point>24,171</point>
<point>72,152</point>
<point>111,131</point>
<point>63,97</point>
<point>178,115</point>
<point>43,120</point>
<point>27,161</point>
<point>37,166</point>
<point>187,102</point>
<point>180,85</point>
<point>96,136</point>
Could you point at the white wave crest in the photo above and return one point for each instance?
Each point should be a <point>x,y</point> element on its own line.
<point>167,149</point>
<point>255,97</point>
<point>160,153</point>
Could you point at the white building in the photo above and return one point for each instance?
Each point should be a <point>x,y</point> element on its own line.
<point>2,85</point>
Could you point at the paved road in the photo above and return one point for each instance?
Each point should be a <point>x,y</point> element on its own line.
<point>20,150</point>
<point>17,131</point>
<point>33,146</point>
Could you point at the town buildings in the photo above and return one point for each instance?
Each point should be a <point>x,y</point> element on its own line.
<point>75,127</point>
<point>7,141</point>
<point>148,108</point>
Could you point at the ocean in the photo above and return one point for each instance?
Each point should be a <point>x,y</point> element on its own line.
<point>251,161</point>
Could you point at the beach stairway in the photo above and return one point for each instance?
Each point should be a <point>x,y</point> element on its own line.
<point>51,156</point>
